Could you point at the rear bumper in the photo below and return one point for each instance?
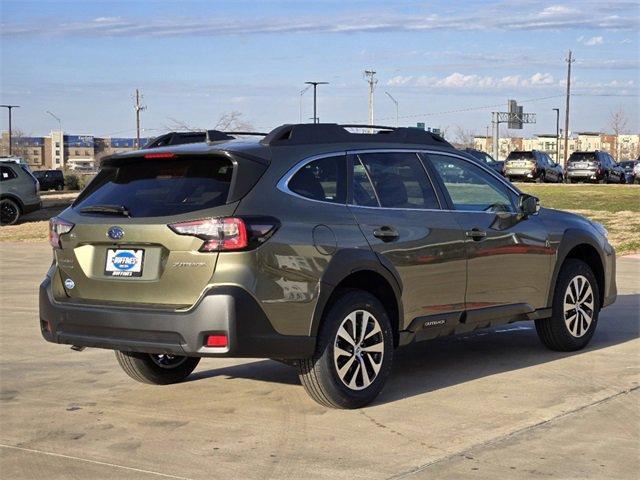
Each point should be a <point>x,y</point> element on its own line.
<point>226,309</point>
<point>584,174</point>
<point>520,173</point>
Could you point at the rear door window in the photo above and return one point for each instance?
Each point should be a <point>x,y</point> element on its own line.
<point>161,187</point>
<point>398,181</point>
<point>324,180</point>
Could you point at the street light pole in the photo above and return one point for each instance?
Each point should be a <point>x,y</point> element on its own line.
<point>557,110</point>
<point>57,118</point>
<point>315,105</point>
<point>10,107</point>
<point>396,102</point>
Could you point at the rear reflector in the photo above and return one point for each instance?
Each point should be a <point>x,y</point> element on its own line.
<point>160,155</point>
<point>217,340</point>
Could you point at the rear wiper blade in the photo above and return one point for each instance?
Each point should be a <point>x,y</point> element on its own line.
<point>107,210</point>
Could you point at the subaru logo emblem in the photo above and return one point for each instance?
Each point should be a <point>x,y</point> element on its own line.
<point>115,233</point>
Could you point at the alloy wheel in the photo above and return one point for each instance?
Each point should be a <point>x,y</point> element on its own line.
<point>165,360</point>
<point>579,305</point>
<point>358,350</point>
<point>8,212</point>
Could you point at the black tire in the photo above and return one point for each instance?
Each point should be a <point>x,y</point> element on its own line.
<point>59,187</point>
<point>542,178</point>
<point>147,368</point>
<point>9,211</point>
<point>319,375</point>
<point>554,332</point>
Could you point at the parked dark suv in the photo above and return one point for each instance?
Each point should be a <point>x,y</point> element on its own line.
<point>319,247</point>
<point>487,159</point>
<point>594,166</point>
<point>630,168</point>
<point>532,165</point>
<point>50,179</point>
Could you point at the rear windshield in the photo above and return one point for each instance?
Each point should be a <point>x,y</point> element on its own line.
<point>154,188</point>
<point>582,157</point>
<point>520,156</point>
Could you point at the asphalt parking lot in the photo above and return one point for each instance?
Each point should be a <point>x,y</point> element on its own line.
<point>490,405</point>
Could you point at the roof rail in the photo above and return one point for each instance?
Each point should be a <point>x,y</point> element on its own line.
<point>306,133</point>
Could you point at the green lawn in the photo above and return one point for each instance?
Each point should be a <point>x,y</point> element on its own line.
<point>617,207</point>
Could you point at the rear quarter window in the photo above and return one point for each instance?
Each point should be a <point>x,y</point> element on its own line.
<point>161,187</point>
<point>7,173</point>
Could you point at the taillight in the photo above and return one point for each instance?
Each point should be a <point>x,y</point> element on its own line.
<point>58,227</point>
<point>219,234</point>
<point>228,233</point>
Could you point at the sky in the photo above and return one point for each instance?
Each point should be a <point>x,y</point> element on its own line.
<point>448,64</point>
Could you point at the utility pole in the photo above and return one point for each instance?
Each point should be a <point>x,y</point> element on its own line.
<point>370,75</point>
<point>496,135</point>
<point>569,61</point>
<point>315,99</point>
<point>138,108</point>
<point>302,92</point>
<point>10,107</point>
<point>557,110</point>
<point>396,102</point>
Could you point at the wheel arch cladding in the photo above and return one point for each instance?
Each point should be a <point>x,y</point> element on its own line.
<point>580,245</point>
<point>362,270</point>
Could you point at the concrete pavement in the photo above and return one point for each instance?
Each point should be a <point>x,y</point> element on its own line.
<point>490,405</point>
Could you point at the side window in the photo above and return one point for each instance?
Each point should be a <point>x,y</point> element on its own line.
<point>471,188</point>
<point>399,181</point>
<point>324,180</point>
<point>7,173</point>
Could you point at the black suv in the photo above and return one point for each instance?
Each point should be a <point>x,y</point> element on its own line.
<point>320,247</point>
<point>487,159</point>
<point>630,167</point>
<point>532,165</point>
<point>596,166</point>
<point>50,179</point>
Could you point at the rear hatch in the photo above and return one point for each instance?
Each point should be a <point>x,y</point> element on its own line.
<point>124,248</point>
<point>520,161</point>
<point>583,161</point>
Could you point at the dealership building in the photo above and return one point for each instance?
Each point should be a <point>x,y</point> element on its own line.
<point>60,150</point>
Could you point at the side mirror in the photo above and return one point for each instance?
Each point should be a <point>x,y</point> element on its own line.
<point>528,204</point>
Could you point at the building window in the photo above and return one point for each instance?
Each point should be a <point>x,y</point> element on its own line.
<point>57,144</point>
<point>57,153</point>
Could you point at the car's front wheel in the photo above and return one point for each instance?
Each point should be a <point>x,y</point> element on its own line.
<point>354,354</point>
<point>157,369</point>
<point>9,212</point>
<point>576,304</point>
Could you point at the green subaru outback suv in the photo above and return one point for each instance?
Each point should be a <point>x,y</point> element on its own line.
<point>316,246</point>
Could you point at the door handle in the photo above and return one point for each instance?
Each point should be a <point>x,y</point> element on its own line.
<point>476,234</point>
<point>386,233</point>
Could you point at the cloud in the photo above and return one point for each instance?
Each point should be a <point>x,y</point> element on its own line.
<point>494,16</point>
<point>590,42</point>
<point>456,81</point>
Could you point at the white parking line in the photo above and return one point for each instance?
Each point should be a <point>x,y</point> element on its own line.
<point>95,462</point>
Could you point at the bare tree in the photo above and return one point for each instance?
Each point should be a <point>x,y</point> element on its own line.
<point>619,125</point>
<point>463,138</point>
<point>233,121</point>
<point>227,122</point>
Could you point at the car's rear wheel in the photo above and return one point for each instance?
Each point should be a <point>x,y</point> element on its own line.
<point>9,211</point>
<point>157,369</point>
<point>576,304</point>
<point>59,187</point>
<point>542,178</point>
<point>354,354</point>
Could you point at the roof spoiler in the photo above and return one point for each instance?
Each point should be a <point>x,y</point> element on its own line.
<point>209,136</point>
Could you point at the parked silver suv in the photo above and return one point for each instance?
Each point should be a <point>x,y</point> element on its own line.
<point>19,191</point>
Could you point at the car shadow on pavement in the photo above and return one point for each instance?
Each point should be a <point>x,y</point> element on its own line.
<point>427,366</point>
